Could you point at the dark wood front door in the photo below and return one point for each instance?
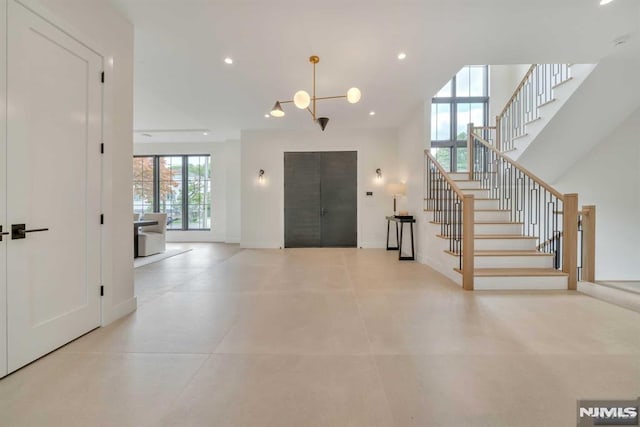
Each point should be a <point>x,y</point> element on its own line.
<point>320,201</point>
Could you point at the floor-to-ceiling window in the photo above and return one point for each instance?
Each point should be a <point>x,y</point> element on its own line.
<point>178,185</point>
<point>463,100</point>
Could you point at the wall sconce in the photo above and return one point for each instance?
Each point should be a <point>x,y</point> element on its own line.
<point>379,174</point>
<point>261,175</point>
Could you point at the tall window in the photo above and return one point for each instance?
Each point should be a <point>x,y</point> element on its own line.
<point>463,100</point>
<point>179,185</point>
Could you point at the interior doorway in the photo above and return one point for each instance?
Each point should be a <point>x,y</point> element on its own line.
<point>320,203</point>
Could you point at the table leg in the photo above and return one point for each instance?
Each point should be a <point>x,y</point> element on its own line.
<point>400,240</point>
<point>135,242</point>
<point>391,248</point>
<point>412,257</point>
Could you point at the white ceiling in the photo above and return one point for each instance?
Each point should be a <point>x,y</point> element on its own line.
<point>182,83</point>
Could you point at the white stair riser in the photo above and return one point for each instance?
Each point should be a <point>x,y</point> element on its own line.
<point>513,261</point>
<point>520,283</point>
<point>459,175</point>
<point>504,244</point>
<point>476,192</point>
<point>486,204</point>
<point>498,228</point>
<point>465,185</point>
<point>489,216</point>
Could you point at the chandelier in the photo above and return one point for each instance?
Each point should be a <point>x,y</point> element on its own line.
<point>304,101</point>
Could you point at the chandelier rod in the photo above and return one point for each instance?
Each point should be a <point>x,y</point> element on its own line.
<point>314,62</point>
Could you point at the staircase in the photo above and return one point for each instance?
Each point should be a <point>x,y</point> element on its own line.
<point>504,257</point>
<point>499,227</point>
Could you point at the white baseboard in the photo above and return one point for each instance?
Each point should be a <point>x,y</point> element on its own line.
<point>615,296</point>
<point>260,245</point>
<point>373,245</point>
<point>112,314</point>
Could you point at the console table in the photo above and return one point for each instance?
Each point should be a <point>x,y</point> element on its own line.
<point>401,220</point>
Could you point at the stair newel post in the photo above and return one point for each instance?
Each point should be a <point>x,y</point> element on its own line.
<point>468,234</point>
<point>470,152</point>
<point>589,243</point>
<point>498,126</point>
<point>570,237</point>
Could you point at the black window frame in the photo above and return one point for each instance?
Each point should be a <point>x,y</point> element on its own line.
<point>453,143</point>
<point>184,188</point>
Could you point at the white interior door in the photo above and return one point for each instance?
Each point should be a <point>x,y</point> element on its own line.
<point>53,182</point>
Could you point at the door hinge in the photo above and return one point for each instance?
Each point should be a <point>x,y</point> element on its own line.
<point>102,77</point>
<point>101,219</point>
<point>102,148</point>
<point>101,290</point>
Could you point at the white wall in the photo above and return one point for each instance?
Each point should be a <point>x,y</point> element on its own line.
<point>609,177</point>
<point>97,24</point>
<point>225,197</point>
<point>263,204</point>
<point>413,139</point>
<point>503,80</point>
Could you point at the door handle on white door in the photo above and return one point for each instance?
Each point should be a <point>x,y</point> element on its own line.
<point>3,233</point>
<point>19,231</point>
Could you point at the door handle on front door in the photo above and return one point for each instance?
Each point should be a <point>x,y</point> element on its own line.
<point>19,231</point>
<point>3,233</point>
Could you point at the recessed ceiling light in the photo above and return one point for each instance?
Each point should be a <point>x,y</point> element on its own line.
<point>228,60</point>
<point>266,116</point>
<point>205,133</point>
<point>372,113</point>
<point>403,55</point>
<point>603,2</point>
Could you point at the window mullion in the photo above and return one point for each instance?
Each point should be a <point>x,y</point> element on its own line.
<point>185,194</point>
<point>156,183</point>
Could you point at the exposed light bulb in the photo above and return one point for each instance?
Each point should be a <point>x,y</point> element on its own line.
<point>301,99</point>
<point>403,55</point>
<point>372,113</point>
<point>354,95</point>
<point>228,60</point>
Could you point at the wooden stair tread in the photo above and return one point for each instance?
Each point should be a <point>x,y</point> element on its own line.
<point>503,236</point>
<point>495,236</point>
<point>485,222</point>
<point>515,272</point>
<point>514,252</point>
<point>506,252</point>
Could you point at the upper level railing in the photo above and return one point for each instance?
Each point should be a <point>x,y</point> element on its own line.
<point>545,213</point>
<point>534,91</point>
<point>454,212</point>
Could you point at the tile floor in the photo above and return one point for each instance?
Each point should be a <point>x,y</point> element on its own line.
<point>329,337</point>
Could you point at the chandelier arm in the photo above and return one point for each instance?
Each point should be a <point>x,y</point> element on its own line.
<point>286,102</point>
<point>311,112</point>
<point>331,97</point>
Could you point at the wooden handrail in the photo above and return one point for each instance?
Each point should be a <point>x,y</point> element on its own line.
<point>444,173</point>
<point>515,93</point>
<point>518,166</point>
